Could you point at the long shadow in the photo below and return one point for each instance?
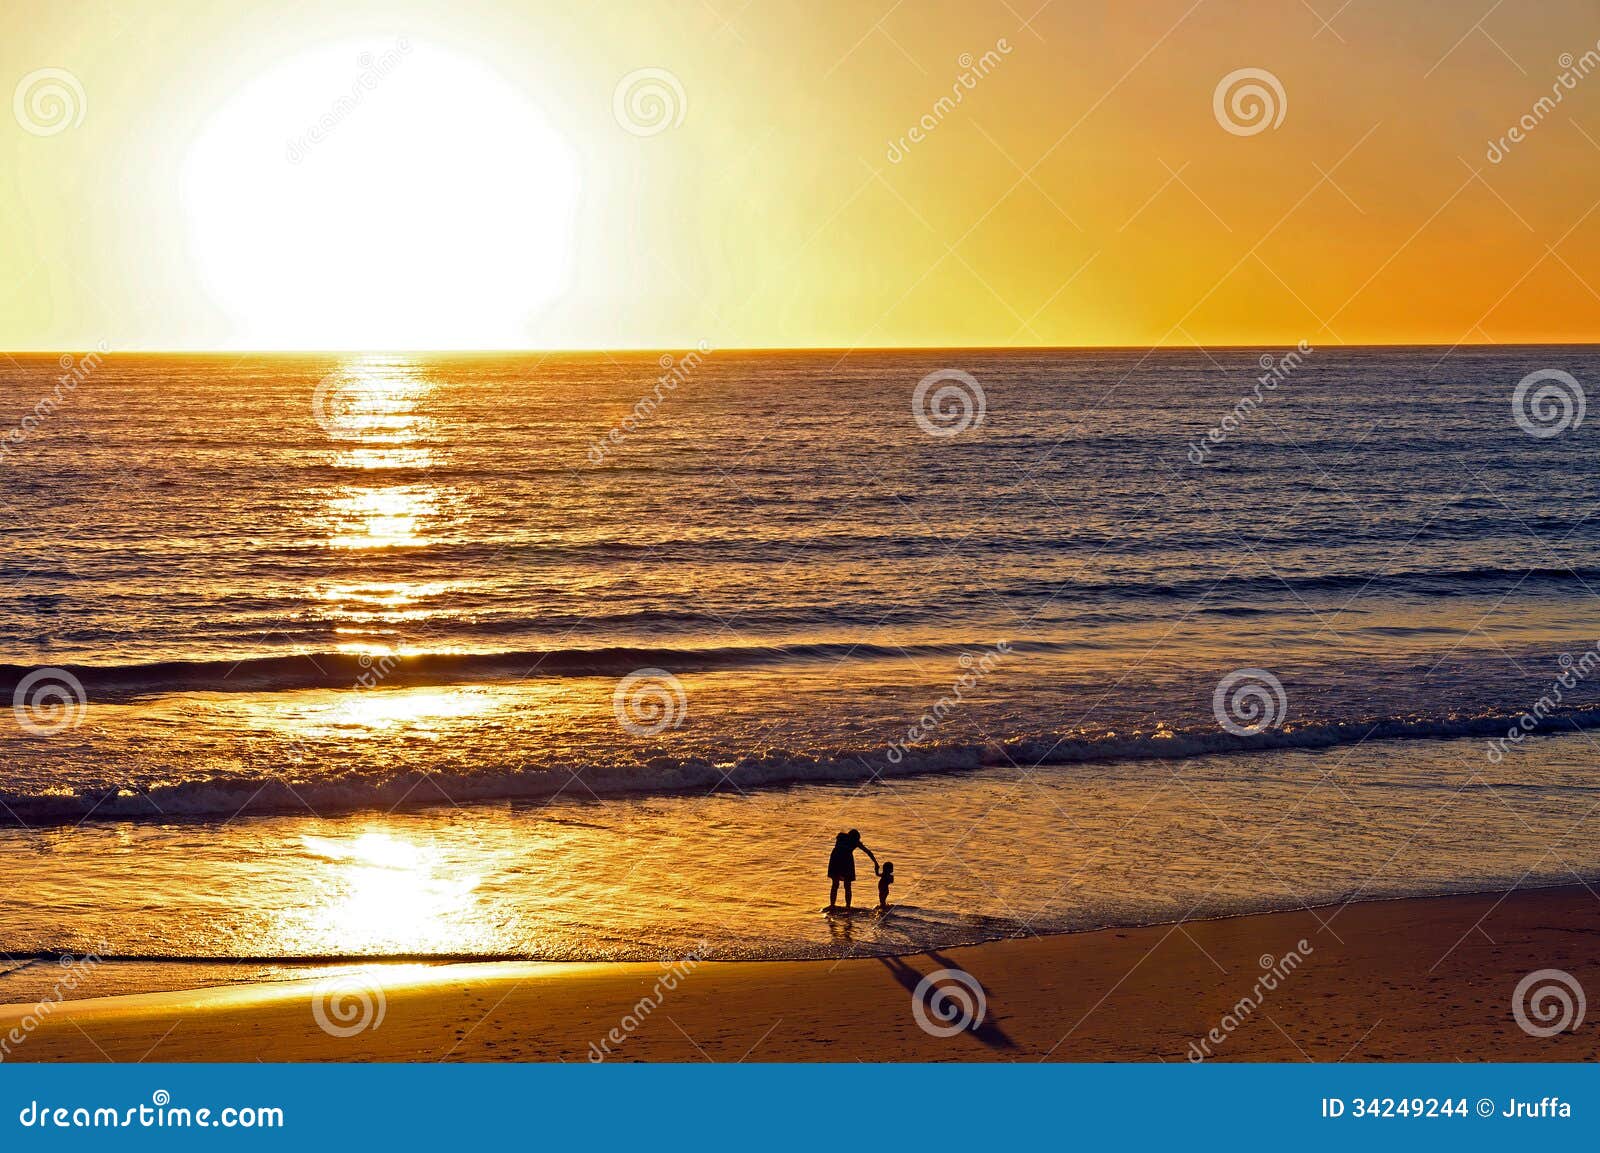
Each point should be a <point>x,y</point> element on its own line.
<point>986,1030</point>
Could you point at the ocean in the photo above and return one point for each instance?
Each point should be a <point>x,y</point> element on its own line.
<point>589,656</point>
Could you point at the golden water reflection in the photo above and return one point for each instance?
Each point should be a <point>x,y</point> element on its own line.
<point>379,893</point>
<point>373,401</point>
<point>377,403</point>
<point>380,595</point>
<point>375,412</point>
<point>383,458</point>
<point>420,710</point>
<point>382,517</point>
<point>374,409</point>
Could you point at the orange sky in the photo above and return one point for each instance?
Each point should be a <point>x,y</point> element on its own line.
<point>490,186</point>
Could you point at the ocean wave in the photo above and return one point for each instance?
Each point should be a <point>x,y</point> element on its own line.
<point>1482,579</point>
<point>309,670</point>
<point>229,796</point>
<point>499,625</point>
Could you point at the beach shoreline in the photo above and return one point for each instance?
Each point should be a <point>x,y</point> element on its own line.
<point>1423,978</point>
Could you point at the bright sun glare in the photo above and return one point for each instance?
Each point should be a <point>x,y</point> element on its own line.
<point>370,195</point>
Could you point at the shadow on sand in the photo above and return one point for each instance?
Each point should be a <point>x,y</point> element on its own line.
<point>909,976</point>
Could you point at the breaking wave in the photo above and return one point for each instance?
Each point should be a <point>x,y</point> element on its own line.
<point>227,796</point>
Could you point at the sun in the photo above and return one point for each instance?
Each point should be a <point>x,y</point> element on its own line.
<point>381,195</point>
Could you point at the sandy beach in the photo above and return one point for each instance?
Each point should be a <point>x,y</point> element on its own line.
<point>1419,979</point>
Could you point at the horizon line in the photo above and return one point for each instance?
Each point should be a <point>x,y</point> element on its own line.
<point>818,348</point>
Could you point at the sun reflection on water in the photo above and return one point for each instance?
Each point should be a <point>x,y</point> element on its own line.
<point>375,419</point>
<point>375,416</point>
<point>383,458</point>
<point>373,401</point>
<point>375,892</point>
<point>374,410</point>
<point>418,709</point>
<point>382,517</point>
<point>382,594</point>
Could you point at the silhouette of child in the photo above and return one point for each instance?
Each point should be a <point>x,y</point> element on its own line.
<point>885,879</point>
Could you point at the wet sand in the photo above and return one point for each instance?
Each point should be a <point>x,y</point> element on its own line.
<point>1430,979</point>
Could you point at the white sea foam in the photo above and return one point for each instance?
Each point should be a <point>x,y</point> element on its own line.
<point>354,791</point>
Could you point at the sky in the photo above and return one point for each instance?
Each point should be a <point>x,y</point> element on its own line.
<point>511,174</point>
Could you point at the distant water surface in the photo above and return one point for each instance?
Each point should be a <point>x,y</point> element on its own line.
<point>350,634</point>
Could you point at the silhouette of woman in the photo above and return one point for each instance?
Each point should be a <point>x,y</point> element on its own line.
<point>842,865</point>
